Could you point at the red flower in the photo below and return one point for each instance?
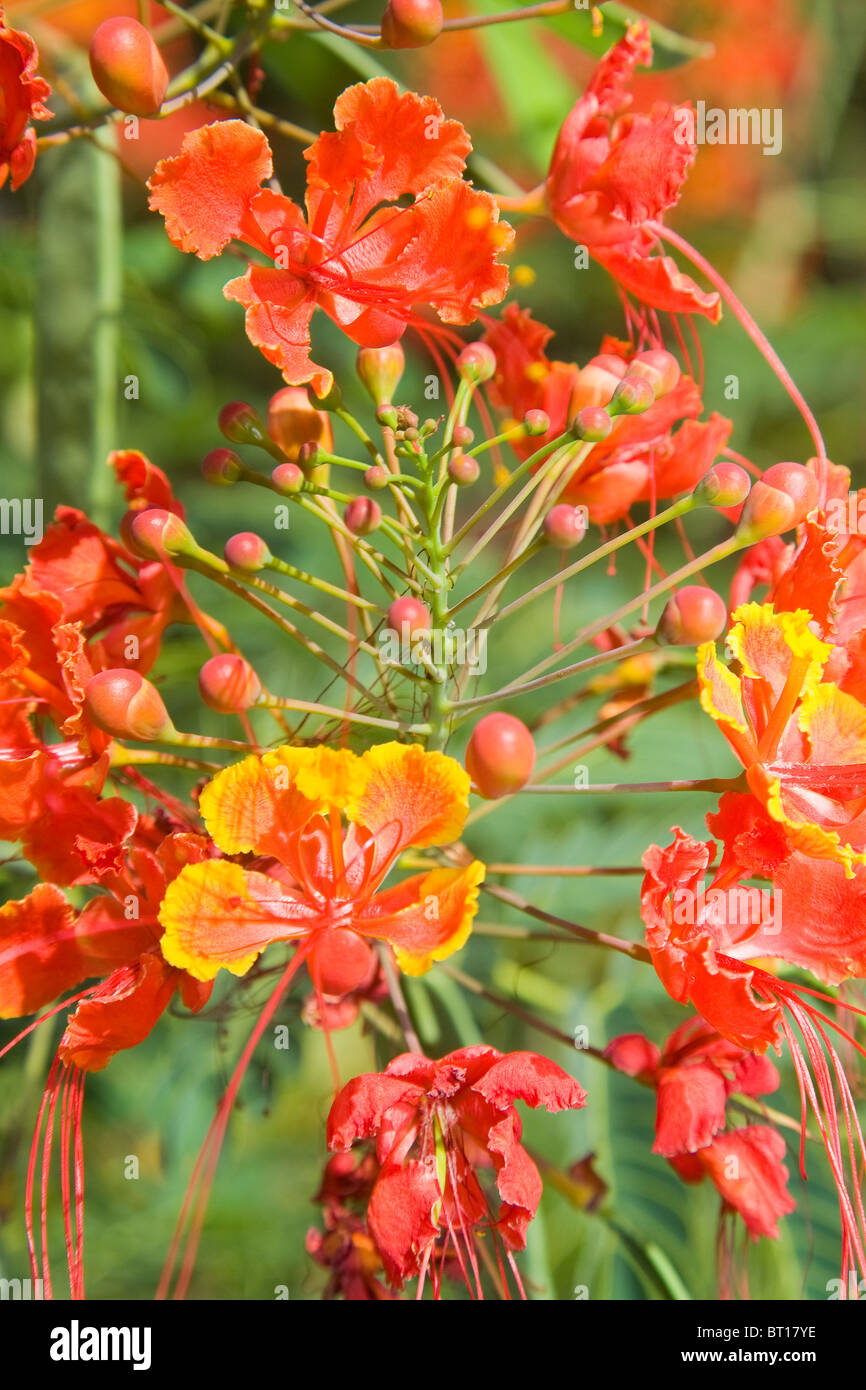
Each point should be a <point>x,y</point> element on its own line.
<point>22,99</point>
<point>436,1124</point>
<point>358,254</point>
<point>614,172</point>
<point>693,1078</point>
<point>643,458</point>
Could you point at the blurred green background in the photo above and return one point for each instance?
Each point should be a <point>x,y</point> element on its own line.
<point>92,295</point>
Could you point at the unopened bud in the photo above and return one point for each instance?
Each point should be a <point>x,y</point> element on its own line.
<point>726,485</point>
<point>463,470</point>
<point>411,23</point>
<point>591,424</point>
<point>660,368</point>
<point>462,436</point>
<point>241,424</point>
<point>693,615</point>
<point>228,684</point>
<point>222,467</point>
<point>247,552</point>
<point>536,422</point>
<point>293,422</point>
<point>633,396</point>
<point>381,370</point>
<point>122,703</point>
<point>376,477</point>
<point>362,515</point>
<point>476,363</point>
<point>156,532</point>
<point>565,526</point>
<point>779,500</point>
<point>288,478</point>
<point>411,614</point>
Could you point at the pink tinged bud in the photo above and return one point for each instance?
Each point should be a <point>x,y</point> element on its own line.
<point>500,755</point>
<point>410,614</point>
<point>247,552</point>
<point>633,396</point>
<point>536,422</point>
<point>288,478</point>
<point>696,614</point>
<point>411,23</point>
<point>386,415</point>
<point>309,456</point>
<point>155,533</point>
<point>609,362</point>
<point>294,422</point>
<point>565,526</point>
<point>591,424</point>
<point>726,485</point>
<point>241,424</point>
<point>462,436</point>
<point>362,515</point>
<point>122,703</point>
<point>778,501</point>
<point>376,478</point>
<point>222,467</point>
<point>476,363</point>
<point>464,470</point>
<point>127,66</point>
<point>381,370</point>
<point>660,368</point>
<point>595,384</point>
<point>228,684</point>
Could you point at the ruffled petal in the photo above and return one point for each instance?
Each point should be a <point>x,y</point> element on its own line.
<point>409,797</point>
<point>204,193</point>
<point>426,918</point>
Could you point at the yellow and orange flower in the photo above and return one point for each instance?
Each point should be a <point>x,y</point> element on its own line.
<point>288,806</point>
<point>801,739</point>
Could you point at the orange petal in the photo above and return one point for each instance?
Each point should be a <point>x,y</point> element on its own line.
<point>409,797</point>
<point>204,193</point>
<point>255,807</point>
<point>39,955</point>
<point>426,918</point>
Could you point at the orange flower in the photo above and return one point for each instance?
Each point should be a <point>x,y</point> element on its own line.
<point>22,99</point>
<point>358,254</point>
<point>801,739</point>
<point>285,806</point>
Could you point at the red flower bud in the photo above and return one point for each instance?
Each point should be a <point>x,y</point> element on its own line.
<point>155,533</point>
<point>462,436</point>
<point>380,370</point>
<point>247,552</point>
<point>221,467</point>
<point>288,477</point>
<point>500,755</point>
<point>293,422</point>
<point>633,396</point>
<point>696,614</point>
<point>228,683</point>
<point>565,526</point>
<point>411,613</point>
<point>476,363</point>
<point>411,23</point>
<point>241,424</point>
<point>122,703</point>
<point>609,362</point>
<point>660,368</point>
<point>726,485</point>
<point>464,470</point>
<point>778,501</point>
<point>362,515</point>
<point>536,422</point>
<point>591,424</point>
<point>127,66</point>
<point>376,477</point>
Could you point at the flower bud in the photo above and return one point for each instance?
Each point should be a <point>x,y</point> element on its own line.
<point>693,615</point>
<point>565,526</point>
<point>247,552</point>
<point>411,614</point>
<point>411,23</point>
<point>386,415</point>
<point>476,363</point>
<point>156,532</point>
<point>597,381</point>
<point>464,470</point>
<point>779,500</point>
<point>241,424</point>
<point>381,370</point>
<point>591,424</point>
<point>660,368</point>
<point>127,66</point>
<point>376,477</point>
<point>633,396</point>
<point>122,703</point>
<point>293,422</point>
<point>536,422</point>
<point>287,477</point>
<point>462,436</point>
<point>309,456</point>
<point>362,515</point>
<point>221,467</point>
<point>500,755</point>
<point>228,684</point>
<point>726,485</point>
